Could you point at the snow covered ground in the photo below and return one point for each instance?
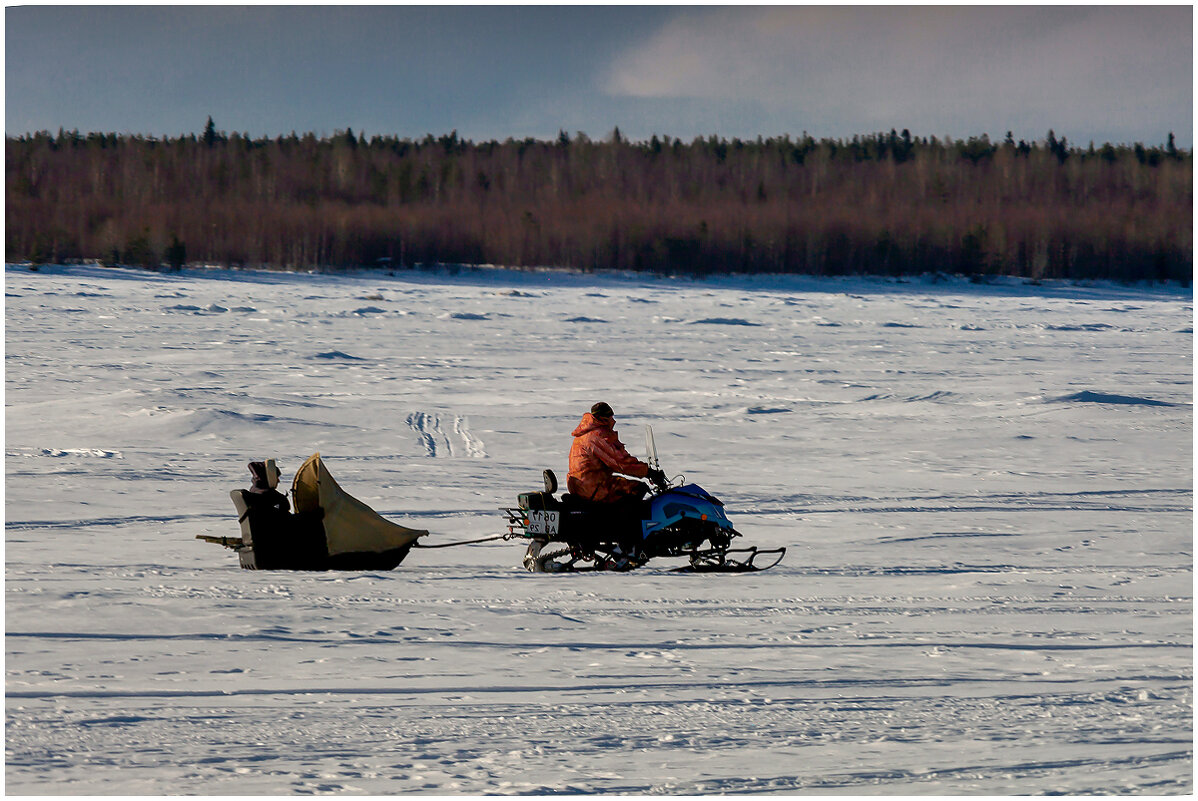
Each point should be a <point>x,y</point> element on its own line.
<point>986,492</point>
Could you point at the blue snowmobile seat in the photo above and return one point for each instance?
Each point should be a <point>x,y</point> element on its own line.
<point>590,521</point>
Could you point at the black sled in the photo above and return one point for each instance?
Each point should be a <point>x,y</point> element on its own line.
<point>329,529</point>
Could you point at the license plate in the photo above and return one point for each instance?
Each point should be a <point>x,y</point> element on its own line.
<point>544,523</point>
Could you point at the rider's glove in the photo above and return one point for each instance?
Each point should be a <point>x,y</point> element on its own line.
<point>658,477</point>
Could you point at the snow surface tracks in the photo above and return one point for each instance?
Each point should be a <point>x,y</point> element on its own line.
<point>437,443</point>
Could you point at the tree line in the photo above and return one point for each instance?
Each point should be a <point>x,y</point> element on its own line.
<point>883,203</point>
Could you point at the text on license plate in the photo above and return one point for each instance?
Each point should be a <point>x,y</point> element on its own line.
<point>545,523</point>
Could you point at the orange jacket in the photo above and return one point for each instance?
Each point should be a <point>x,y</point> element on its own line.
<point>596,454</point>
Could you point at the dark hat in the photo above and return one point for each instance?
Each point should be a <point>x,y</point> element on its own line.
<point>601,409</point>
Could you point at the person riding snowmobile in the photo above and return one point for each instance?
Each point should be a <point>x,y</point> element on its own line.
<point>597,454</point>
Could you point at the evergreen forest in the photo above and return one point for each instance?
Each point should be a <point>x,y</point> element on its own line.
<point>884,203</point>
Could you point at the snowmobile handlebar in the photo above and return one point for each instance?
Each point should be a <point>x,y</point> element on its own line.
<point>657,478</point>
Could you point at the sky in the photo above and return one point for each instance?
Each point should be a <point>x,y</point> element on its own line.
<point>1117,74</point>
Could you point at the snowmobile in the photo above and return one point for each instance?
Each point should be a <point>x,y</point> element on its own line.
<point>675,520</point>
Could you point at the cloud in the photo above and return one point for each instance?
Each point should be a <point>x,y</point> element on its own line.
<point>957,70</point>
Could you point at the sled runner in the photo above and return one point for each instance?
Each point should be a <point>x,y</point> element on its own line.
<point>328,530</point>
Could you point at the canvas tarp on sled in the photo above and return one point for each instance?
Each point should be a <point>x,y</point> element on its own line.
<point>350,526</point>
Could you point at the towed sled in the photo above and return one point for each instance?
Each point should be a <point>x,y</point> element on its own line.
<point>570,534</point>
<point>328,530</point>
